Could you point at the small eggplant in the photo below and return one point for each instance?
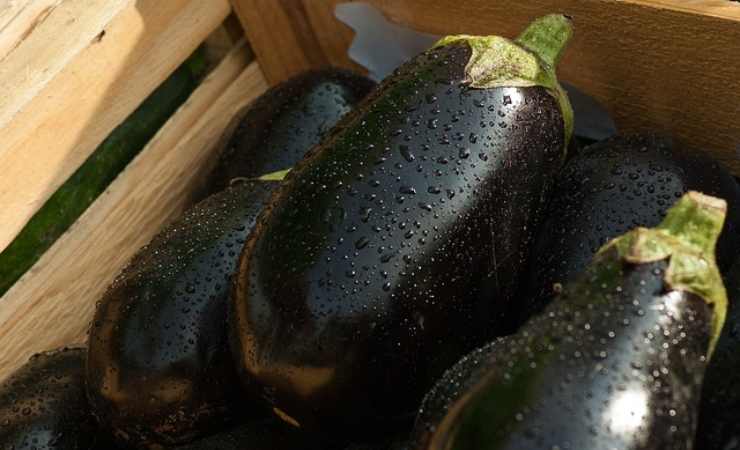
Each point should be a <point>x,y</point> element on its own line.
<point>392,249</point>
<point>616,362</point>
<point>610,188</point>
<point>275,131</point>
<point>159,370</point>
<point>43,404</point>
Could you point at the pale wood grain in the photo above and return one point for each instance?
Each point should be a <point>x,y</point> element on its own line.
<point>47,45</point>
<point>666,65</point>
<point>291,36</point>
<point>52,304</point>
<point>45,140</point>
<point>18,18</point>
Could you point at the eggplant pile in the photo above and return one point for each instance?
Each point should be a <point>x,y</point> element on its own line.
<point>418,265</point>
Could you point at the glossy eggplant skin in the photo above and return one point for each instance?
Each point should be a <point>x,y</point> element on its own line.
<point>43,404</point>
<point>395,246</point>
<point>276,130</point>
<point>615,362</point>
<point>610,188</point>
<point>159,369</point>
<point>719,427</point>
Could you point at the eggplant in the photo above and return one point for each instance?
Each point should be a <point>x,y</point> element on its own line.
<point>610,188</point>
<point>275,131</point>
<point>718,426</point>
<point>616,361</point>
<point>159,369</point>
<point>390,251</point>
<point>43,404</point>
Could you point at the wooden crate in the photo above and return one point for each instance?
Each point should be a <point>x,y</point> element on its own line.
<point>71,70</point>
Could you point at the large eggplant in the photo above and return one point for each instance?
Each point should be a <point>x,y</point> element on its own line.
<point>393,248</point>
<point>610,188</point>
<point>719,413</point>
<point>616,362</point>
<point>275,131</point>
<point>43,404</point>
<point>159,369</point>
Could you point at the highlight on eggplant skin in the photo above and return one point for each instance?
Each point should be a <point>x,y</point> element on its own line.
<point>719,427</point>
<point>43,404</point>
<point>375,267</point>
<point>609,188</point>
<point>615,362</point>
<point>276,130</point>
<point>159,371</point>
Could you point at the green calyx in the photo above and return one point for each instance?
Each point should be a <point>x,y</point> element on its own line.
<point>274,176</point>
<point>688,235</point>
<point>530,60</point>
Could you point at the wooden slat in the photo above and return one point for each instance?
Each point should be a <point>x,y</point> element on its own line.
<point>52,304</point>
<point>46,46</point>
<point>19,18</point>
<point>333,40</point>
<point>220,42</point>
<point>665,65</point>
<point>52,121</point>
<point>291,36</point>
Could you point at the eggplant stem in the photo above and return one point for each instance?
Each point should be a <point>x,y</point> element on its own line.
<point>547,37</point>
<point>687,236</point>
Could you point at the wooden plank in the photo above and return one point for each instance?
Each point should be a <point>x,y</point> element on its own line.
<point>291,36</point>
<point>19,18</point>
<point>52,305</point>
<point>333,36</point>
<point>223,39</point>
<point>39,53</point>
<point>47,137</point>
<point>717,8</point>
<point>665,65</point>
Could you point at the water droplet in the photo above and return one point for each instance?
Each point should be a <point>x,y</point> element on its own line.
<point>406,153</point>
<point>362,243</point>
